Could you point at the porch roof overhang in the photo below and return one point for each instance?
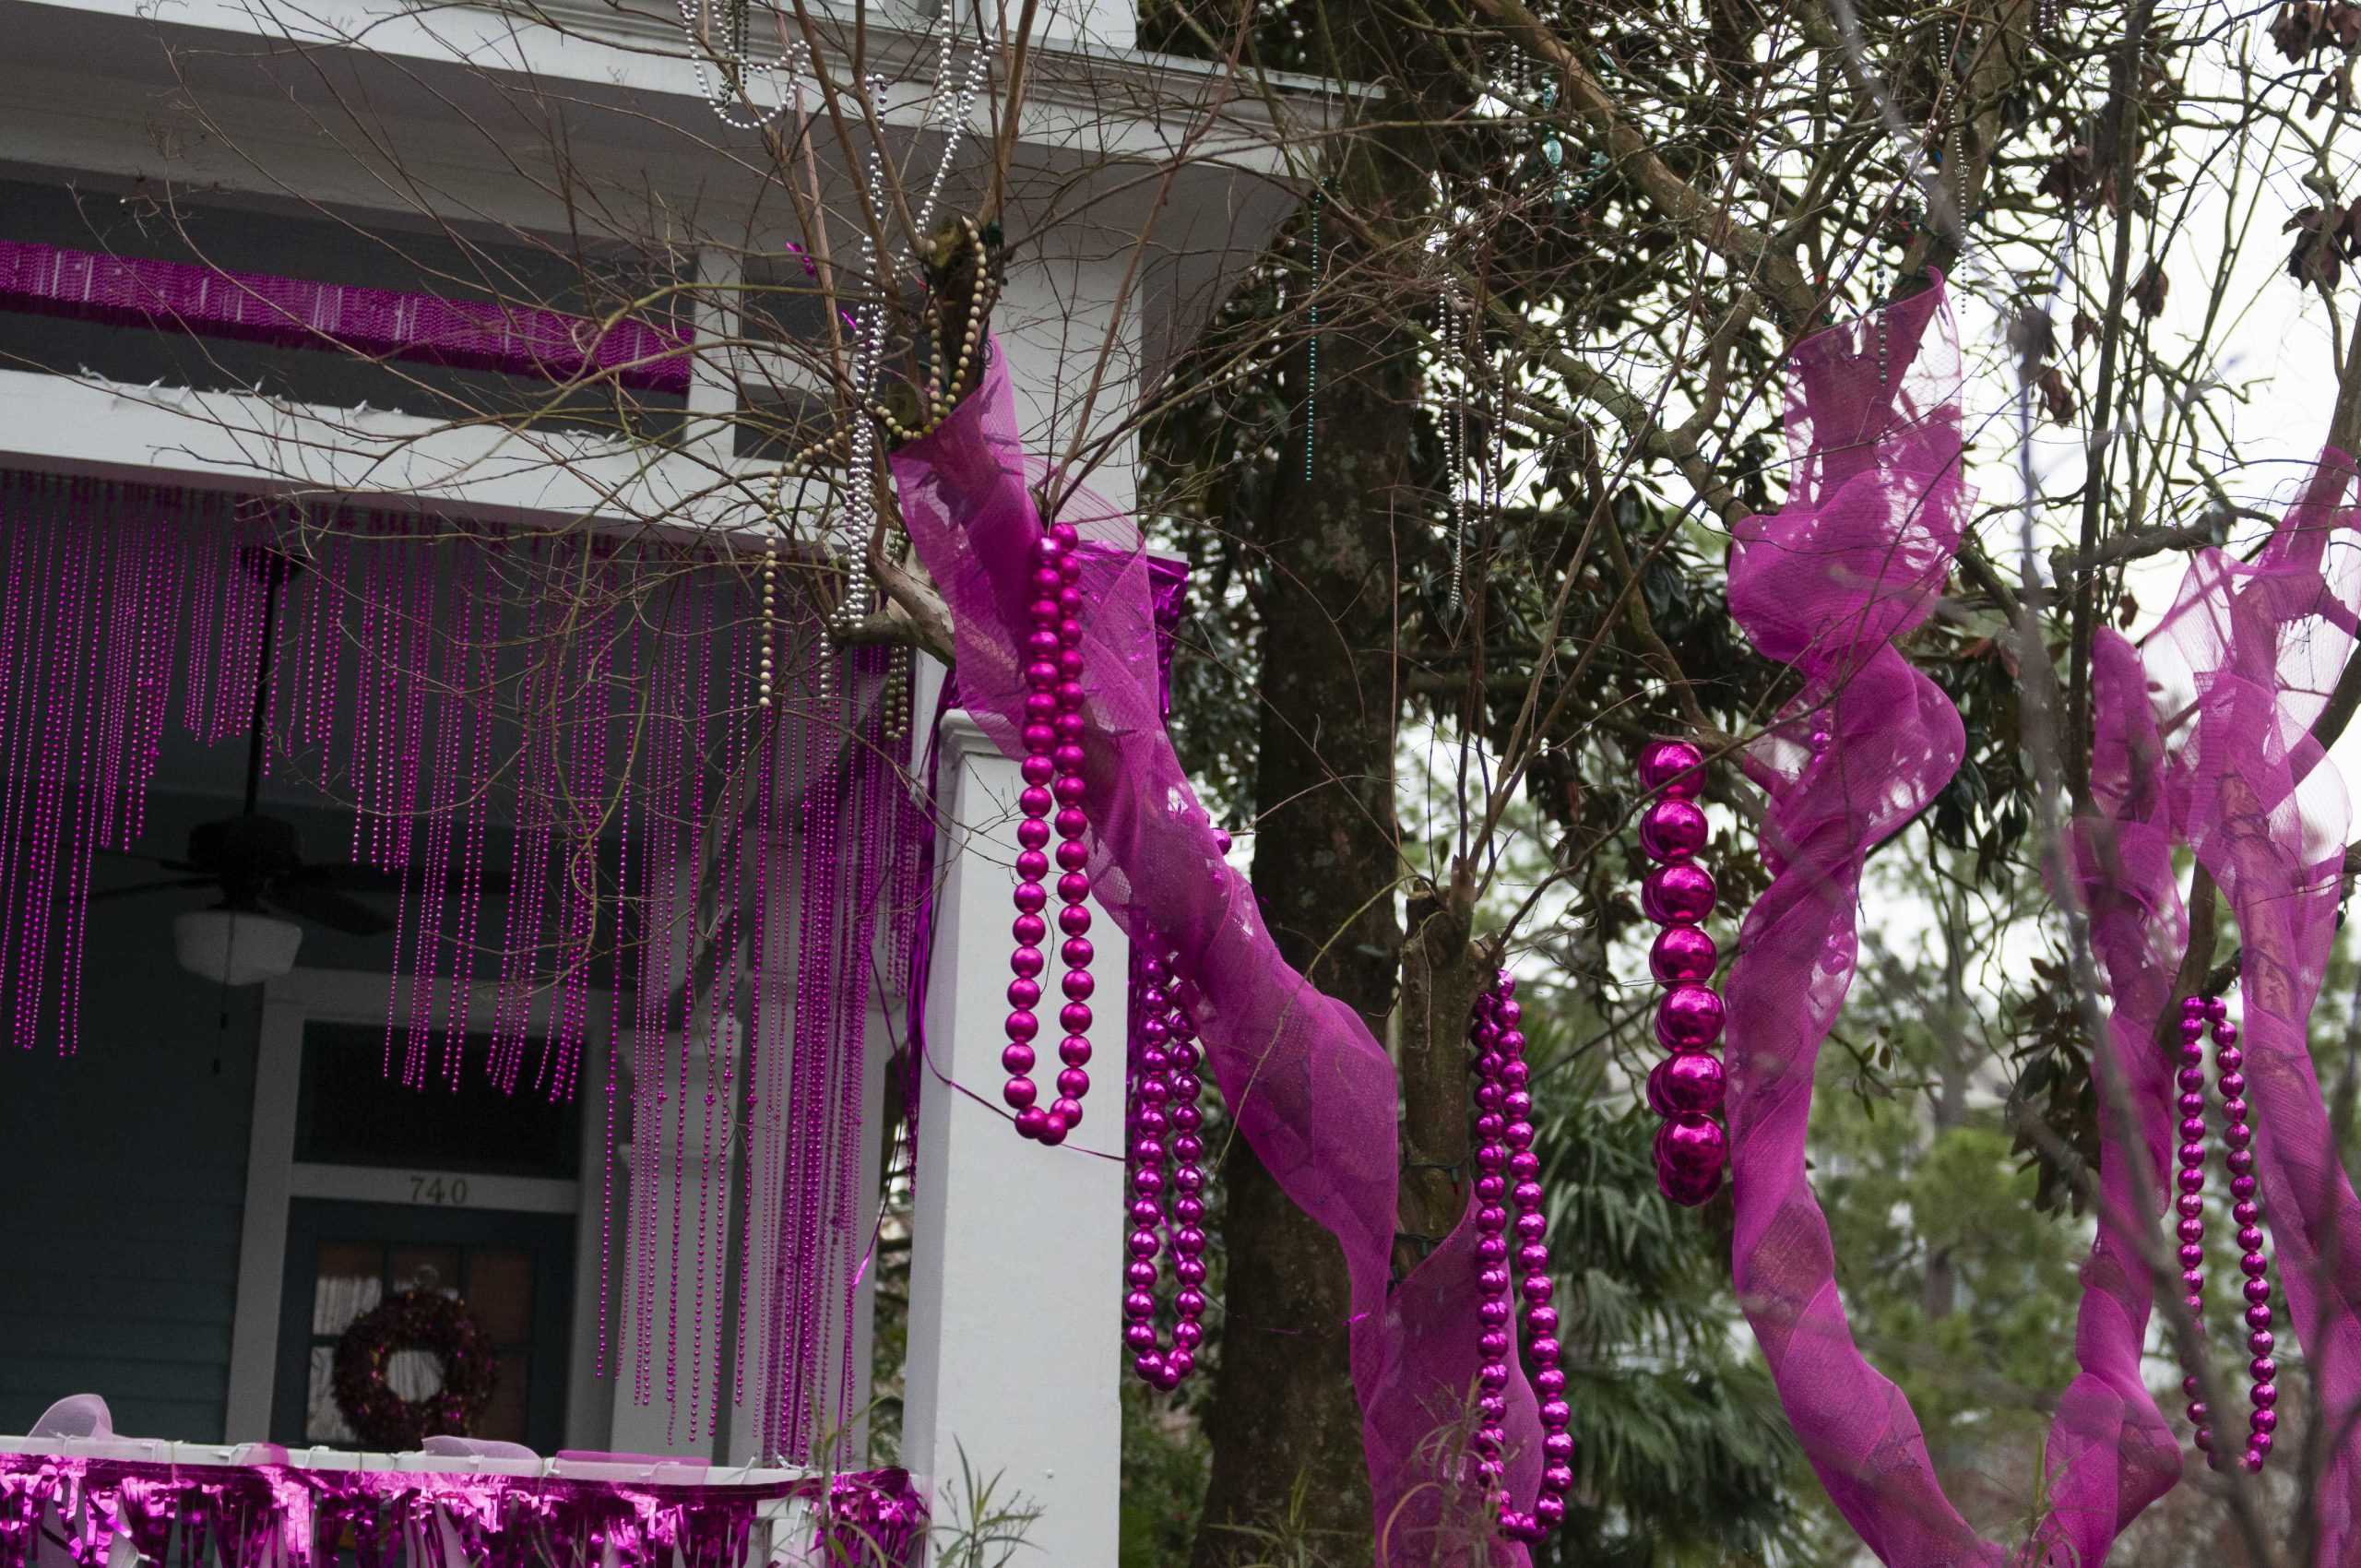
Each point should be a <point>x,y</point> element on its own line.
<point>236,96</point>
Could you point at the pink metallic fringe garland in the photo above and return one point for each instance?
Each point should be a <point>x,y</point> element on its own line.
<point>287,1516</point>
<point>593,707</point>
<point>298,313</point>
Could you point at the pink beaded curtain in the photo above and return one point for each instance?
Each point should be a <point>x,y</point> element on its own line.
<point>554,751</point>
<point>1307,1086</point>
<point>1825,585</point>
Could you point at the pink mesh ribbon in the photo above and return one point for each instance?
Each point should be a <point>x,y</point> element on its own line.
<point>1309,1089</point>
<point>2239,671</point>
<point>2111,1452</point>
<point>1853,561</point>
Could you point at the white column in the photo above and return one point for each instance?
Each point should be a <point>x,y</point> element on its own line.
<point>1015,1273</point>
<point>664,1156</point>
<point>726,1430</point>
<point>713,374</point>
<point>1107,26</point>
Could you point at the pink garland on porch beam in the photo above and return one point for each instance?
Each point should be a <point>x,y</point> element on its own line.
<point>302,313</point>
<point>1826,584</point>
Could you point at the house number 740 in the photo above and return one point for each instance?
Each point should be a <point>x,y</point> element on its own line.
<point>438,1188</point>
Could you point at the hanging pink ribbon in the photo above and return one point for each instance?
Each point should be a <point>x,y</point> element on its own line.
<point>1308,1087</point>
<point>2243,665</point>
<point>1852,562</point>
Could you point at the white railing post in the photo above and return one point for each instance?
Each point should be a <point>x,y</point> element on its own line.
<point>1015,1270</point>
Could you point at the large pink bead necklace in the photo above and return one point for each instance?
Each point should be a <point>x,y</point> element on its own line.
<point>1685,1088</point>
<point>1508,1169</point>
<point>2237,1139</point>
<point>1054,784</point>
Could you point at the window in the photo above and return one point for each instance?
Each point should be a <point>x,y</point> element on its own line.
<point>349,1112</point>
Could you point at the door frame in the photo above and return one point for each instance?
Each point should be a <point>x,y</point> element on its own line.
<point>273,1178</point>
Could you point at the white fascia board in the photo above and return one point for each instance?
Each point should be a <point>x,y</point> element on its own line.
<point>265,446</point>
<point>630,55</point>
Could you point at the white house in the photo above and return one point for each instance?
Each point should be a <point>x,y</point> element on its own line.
<point>206,1187</point>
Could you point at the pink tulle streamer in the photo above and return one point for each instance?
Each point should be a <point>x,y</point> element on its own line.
<point>1854,560</point>
<point>2240,669</point>
<point>1309,1089</point>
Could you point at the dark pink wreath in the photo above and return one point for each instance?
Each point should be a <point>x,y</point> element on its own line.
<point>414,1320</point>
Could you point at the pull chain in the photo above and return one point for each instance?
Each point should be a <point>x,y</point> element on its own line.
<point>1455,441</point>
<point>1311,351</point>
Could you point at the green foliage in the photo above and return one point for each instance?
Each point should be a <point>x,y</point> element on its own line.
<point>980,1525</point>
<point>2053,1110</point>
<point>1681,1457</point>
<point>1165,1463</point>
<point>1900,1194</point>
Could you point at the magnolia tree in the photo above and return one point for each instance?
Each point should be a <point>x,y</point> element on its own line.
<point>1457,459</point>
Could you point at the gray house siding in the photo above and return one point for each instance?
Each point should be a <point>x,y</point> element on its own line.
<point>122,1169</point>
<point>125,1190</point>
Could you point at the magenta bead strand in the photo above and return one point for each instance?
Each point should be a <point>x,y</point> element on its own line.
<point>2189,1161</point>
<point>1165,1146</point>
<point>1514,1232</point>
<point>1051,801</point>
<point>2199,1016</point>
<point>2254,1261</point>
<point>1687,1088</point>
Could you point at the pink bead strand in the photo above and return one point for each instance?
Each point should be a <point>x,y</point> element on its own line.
<point>1514,1232</point>
<point>1686,1088</point>
<point>2190,1197</point>
<point>1054,784</point>
<point>2254,1264</point>
<point>1166,1150</point>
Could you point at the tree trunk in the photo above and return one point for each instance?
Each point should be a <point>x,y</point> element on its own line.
<point>1326,861</point>
<point>1441,975</point>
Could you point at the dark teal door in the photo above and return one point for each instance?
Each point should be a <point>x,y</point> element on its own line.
<point>514,1271</point>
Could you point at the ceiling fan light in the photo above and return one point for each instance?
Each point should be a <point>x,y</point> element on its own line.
<point>235,946</point>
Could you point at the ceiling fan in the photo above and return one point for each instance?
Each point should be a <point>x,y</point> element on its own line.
<point>255,860</point>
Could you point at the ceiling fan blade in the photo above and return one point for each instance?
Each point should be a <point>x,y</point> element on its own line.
<point>160,886</point>
<point>490,882</point>
<point>161,863</point>
<point>345,878</point>
<point>328,906</point>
